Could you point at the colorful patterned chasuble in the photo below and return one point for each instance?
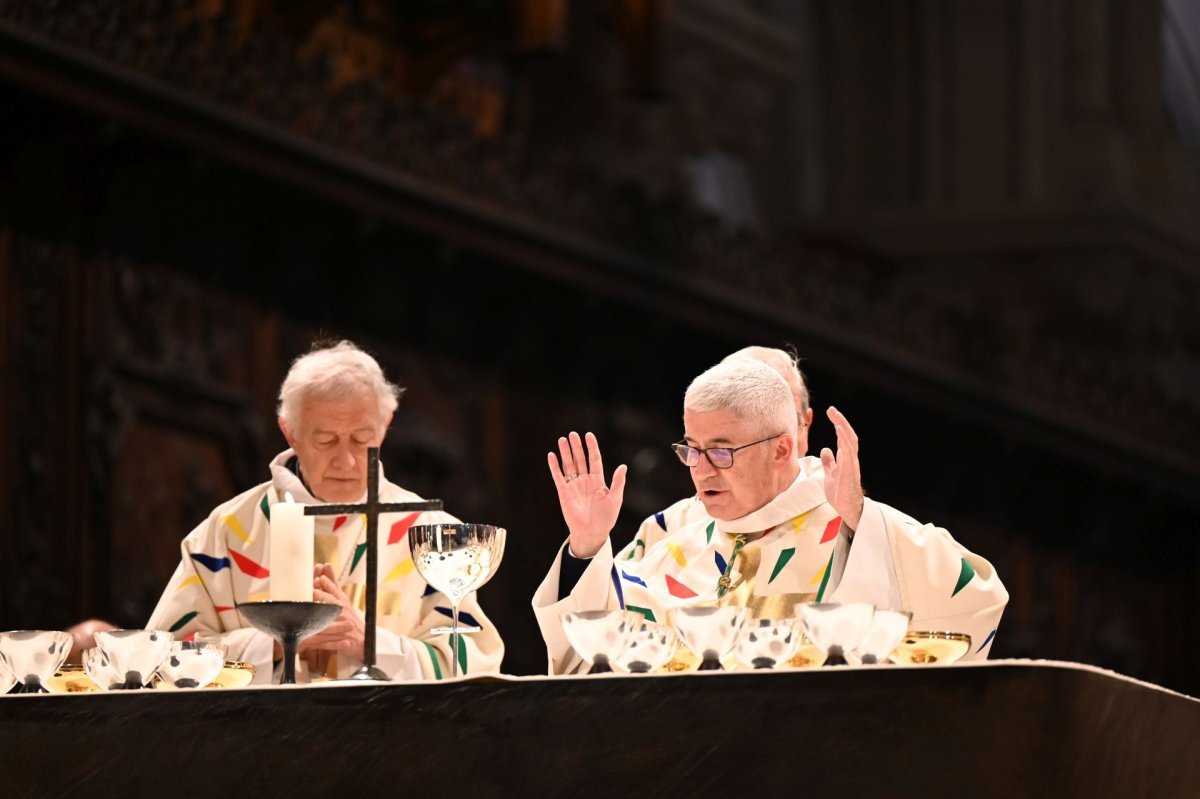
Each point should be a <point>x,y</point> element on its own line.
<point>226,562</point>
<point>803,554</point>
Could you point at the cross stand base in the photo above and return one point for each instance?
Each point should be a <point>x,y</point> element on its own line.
<point>369,674</point>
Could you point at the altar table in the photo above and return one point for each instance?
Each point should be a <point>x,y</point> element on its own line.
<point>1002,728</point>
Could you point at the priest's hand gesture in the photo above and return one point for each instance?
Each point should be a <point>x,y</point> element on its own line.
<point>589,505</point>
<point>345,633</point>
<point>843,482</point>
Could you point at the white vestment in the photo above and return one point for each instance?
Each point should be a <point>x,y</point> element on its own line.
<point>226,562</point>
<point>798,552</point>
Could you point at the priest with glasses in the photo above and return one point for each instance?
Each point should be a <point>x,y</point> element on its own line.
<point>778,528</point>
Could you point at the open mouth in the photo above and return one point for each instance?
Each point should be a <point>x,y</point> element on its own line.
<point>711,492</point>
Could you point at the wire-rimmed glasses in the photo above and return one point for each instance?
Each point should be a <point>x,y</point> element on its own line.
<point>719,457</point>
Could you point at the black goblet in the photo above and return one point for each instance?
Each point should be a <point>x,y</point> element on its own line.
<point>289,622</point>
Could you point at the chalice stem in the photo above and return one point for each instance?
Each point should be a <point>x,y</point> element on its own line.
<point>289,660</point>
<point>454,639</point>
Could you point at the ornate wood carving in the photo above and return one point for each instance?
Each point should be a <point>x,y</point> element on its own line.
<point>433,94</point>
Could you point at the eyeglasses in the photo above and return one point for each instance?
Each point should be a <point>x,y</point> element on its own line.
<point>719,457</point>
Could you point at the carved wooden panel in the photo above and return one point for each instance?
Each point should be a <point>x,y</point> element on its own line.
<point>164,481</point>
<point>44,559</point>
<point>932,109</point>
<point>7,452</point>
<point>174,427</point>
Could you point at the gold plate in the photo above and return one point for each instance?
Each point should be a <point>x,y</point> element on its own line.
<point>807,657</point>
<point>71,680</point>
<point>685,660</point>
<point>234,675</point>
<point>931,647</point>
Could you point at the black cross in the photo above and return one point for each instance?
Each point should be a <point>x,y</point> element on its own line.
<point>371,508</point>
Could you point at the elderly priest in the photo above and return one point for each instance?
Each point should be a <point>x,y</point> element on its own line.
<point>334,404</point>
<point>778,529</point>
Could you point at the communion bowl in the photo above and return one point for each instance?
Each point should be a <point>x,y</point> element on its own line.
<point>134,654</point>
<point>766,643</point>
<point>100,670</point>
<point>710,632</point>
<point>203,638</point>
<point>836,628</point>
<point>650,646</point>
<point>887,629</point>
<point>32,656</point>
<point>233,674</point>
<point>191,664</point>
<point>7,681</point>
<point>598,636</point>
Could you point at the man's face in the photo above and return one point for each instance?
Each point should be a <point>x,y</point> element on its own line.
<point>757,474</point>
<point>331,437</point>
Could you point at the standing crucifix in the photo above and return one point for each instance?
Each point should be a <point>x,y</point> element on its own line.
<point>371,509</point>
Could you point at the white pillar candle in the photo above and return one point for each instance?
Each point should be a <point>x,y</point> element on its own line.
<point>291,548</point>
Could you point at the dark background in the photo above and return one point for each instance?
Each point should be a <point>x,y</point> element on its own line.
<point>976,222</point>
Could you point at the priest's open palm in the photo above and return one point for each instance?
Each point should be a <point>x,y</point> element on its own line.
<point>843,481</point>
<point>589,505</point>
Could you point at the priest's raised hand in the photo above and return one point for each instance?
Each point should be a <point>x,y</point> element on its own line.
<point>589,505</point>
<point>843,481</point>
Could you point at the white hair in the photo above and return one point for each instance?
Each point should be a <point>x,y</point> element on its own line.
<point>332,373</point>
<point>787,364</point>
<point>751,390</point>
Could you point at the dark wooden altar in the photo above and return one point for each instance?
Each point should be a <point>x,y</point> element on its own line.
<point>1007,728</point>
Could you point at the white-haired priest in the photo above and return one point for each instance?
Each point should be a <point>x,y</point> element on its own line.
<point>334,404</point>
<point>778,529</point>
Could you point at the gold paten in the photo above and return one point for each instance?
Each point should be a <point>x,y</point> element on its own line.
<point>234,675</point>
<point>71,680</point>
<point>807,657</point>
<point>921,646</point>
<point>686,660</point>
